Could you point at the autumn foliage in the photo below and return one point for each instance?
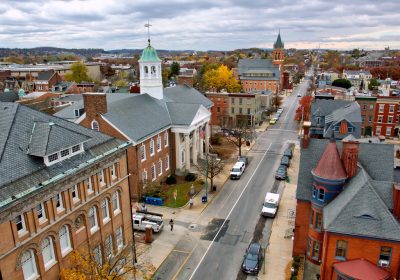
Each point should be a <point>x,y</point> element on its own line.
<point>387,71</point>
<point>304,108</point>
<point>221,79</point>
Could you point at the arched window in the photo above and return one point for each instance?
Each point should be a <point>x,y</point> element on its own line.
<point>146,70</point>
<point>105,212</point>
<point>95,125</point>
<point>28,264</point>
<point>65,241</point>
<point>153,69</point>
<point>93,223</point>
<point>48,252</point>
<point>116,205</point>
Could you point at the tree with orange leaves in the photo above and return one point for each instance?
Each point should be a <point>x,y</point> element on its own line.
<point>304,109</point>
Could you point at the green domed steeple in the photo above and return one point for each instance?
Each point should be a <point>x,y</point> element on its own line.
<point>278,43</point>
<point>149,54</point>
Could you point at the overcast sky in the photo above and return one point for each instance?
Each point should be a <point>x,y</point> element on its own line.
<point>200,24</point>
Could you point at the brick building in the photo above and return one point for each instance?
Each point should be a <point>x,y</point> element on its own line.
<point>63,188</point>
<point>348,209</point>
<point>46,80</point>
<point>386,118</point>
<point>220,112</point>
<point>367,106</point>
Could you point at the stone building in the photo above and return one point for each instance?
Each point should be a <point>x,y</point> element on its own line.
<point>63,187</point>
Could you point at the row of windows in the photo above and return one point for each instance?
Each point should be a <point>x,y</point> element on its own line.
<point>318,193</point>
<point>29,262</point>
<point>384,257</point>
<point>389,119</point>
<point>152,148</point>
<point>391,108</point>
<point>63,154</point>
<point>248,100</point>
<point>153,170</point>
<point>383,131</point>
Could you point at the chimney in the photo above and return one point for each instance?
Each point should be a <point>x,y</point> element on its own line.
<point>94,103</point>
<point>305,137</point>
<point>350,155</point>
<point>396,201</point>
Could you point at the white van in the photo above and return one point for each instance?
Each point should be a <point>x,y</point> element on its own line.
<point>237,170</point>
<point>270,205</point>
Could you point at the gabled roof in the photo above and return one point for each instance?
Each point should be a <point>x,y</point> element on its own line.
<point>359,210</point>
<point>182,114</point>
<point>255,65</point>
<point>325,107</point>
<point>351,112</point>
<point>48,138</point>
<point>187,95</point>
<point>45,75</point>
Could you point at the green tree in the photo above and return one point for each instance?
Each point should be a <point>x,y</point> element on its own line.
<point>79,73</point>
<point>373,84</point>
<point>343,83</point>
<point>174,70</point>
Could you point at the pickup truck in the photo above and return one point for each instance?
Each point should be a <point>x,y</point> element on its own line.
<point>141,220</point>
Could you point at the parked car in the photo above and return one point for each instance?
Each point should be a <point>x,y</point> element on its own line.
<point>252,259</point>
<point>244,159</point>
<point>273,121</point>
<point>285,161</point>
<point>237,170</point>
<point>299,94</point>
<point>270,205</point>
<point>281,173</point>
<point>279,111</point>
<point>288,153</point>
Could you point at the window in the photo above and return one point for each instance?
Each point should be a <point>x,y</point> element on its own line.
<point>309,243</point>
<point>144,177</point>
<point>151,147</point>
<point>143,152</point>
<point>248,111</point>
<point>116,202</point>
<point>48,252</point>
<point>166,162</point>
<point>321,194</point>
<point>28,264</point>
<point>240,101</point>
<point>218,109</point>
<point>240,111</point>
<point>41,212</point>
<point>315,252</point>
<point>232,100</point>
<point>59,202</point>
<point>89,185</point>
<point>114,171</point>
<point>160,167</point>
<point>53,157</point>
<point>153,172</point>
<point>390,119</point>
<point>391,108</point>
<point>158,143</point>
<point>341,249</point>
<point>65,241</point>
<point>76,148</point>
<point>101,178</point>
<point>381,108</point>
<point>380,117</point>
<point>166,139</point>
<point>248,100</point>
<point>318,220</point>
<point>20,223</point>
<point>120,239</point>
<point>108,247</point>
<point>75,193</point>
<point>349,129</point>
<point>385,254</point>
<point>378,130</point>
<point>79,112</point>
<point>314,191</point>
<point>312,217</point>
<point>364,106</point>
<point>370,119</point>
<point>371,106</point>
<point>65,153</point>
<point>232,110</point>
<point>95,125</point>
<point>93,224</point>
<point>97,255</point>
<point>105,212</point>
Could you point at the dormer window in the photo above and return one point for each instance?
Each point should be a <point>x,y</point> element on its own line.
<point>63,154</point>
<point>76,149</point>
<point>53,157</point>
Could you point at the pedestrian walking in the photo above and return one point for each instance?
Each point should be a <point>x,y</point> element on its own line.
<point>191,202</point>
<point>171,223</point>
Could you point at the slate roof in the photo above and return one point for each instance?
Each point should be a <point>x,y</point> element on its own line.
<point>8,96</point>
<point>330,165</point>
<point>359,210</point>
<point>323,107</point>
<point>278,43</point>
<point>254,65</point>
<point>48,138</point>
<point>20,171</point>
<point>350,112</point>
<point>182,114</point>
<point>187,95</point>
<point>376,159</point>
<point>45,75</point>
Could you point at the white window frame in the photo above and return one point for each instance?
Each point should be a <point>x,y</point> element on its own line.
<point>388,131</point>
<point>120,238</point>
<point>97,255</point>
<point>102,178</point>
<point>160,170</point>
<point>93,221</point>
<point>89,185</point>
<point>380,118</point>
<point>32,265</point>
<point>105,211</point>
<point>59,198</point>
<point>167,162</point>
<point>381,108</point>
<point>153,172</point>
<point>166,140</point>
<point>152,147</point>
<point>48,254</point>
<point>113,171</point>
<point>391,108</point>
<point>95,125</point>
<point>108,247</point>
<point>64,233</point>
<point>378,130</point>
<point>23,229</point>
<point>144,176</point>
<point>143,152</point>
<point>158,143</point>
<point>42,211</point>
<point>116,203</point>
<point>75,190</point>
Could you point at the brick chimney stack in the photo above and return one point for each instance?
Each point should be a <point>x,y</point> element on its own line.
<point>94,103</point>
<point>305,137</point>
<point>350,155</point>
<point>396,201</point>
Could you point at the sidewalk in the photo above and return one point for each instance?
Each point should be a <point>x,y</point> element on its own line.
<point>279,251</point>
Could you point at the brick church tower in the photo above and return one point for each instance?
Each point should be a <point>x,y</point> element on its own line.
<point>278,56</point>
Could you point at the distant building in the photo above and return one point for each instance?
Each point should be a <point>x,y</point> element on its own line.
<point>358,78</point>
<point>63,187</point>
<point>367,106</point>
<point>46,80</point>
<point>186,76</point>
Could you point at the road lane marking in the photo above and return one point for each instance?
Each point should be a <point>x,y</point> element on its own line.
<point>230,212</point>
<point>290,109</point>
<point>179,251</point>
<point>184,262</point>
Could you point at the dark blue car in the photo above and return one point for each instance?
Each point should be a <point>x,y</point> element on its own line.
<point>252,259</point>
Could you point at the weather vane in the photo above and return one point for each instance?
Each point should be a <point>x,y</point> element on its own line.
<point>148,25</point>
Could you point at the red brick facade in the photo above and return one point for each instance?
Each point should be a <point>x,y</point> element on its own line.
<point>303,213</point>
<point>259,85</point>
<point>220,110</point>
<point>386,119</point>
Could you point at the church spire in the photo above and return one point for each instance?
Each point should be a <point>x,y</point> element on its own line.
<point>278,43</point>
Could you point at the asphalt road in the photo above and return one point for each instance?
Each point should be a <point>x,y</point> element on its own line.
<point>214,244</point>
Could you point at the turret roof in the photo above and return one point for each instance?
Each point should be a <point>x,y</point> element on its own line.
<point>149,54</point>
<point>330,165</point>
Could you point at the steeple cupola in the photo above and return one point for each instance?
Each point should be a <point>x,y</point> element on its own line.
<point>150,72</point>
<point>278,54</point>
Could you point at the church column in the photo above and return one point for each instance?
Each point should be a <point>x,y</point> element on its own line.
<point>194,146</point>
<point>187,152</point>
<point>178,152</point>
<point>207,138</point>
<point>201,141</point>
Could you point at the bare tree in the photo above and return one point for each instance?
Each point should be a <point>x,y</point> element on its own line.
<point>210,167</point>
<point>239,135</point>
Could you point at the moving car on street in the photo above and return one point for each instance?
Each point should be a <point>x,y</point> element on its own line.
<point>281,173</point>
<point>252,259</point>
